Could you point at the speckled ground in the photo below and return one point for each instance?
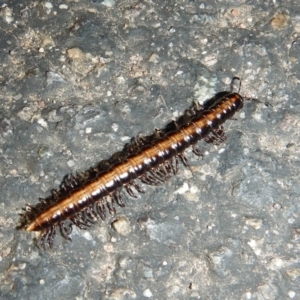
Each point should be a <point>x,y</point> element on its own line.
<point>80,78</point>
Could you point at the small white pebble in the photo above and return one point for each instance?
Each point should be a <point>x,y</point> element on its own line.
<point>115,127</point>
<point>290,220</point>
<point>108,3</point>
<point>179,73</point>
<point>125,138</point>
<point>277,206</point>
<point>194,189</point>
<point>63,6</point>
<point>221,150</point>
<point>120,80</point>
<point>48,5</point>
<point>122,226</point>
<point>183,189</point>
<point>42,122</point>
<point>87,235</point>
<point>71,163</point>
<point>13,172</point>
<point>108,248</point>
<point>147,293</point>
<point>292,294</point>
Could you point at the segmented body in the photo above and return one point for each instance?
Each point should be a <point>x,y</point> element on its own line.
<point>152,160</point>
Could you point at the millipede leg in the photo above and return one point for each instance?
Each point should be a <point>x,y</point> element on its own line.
<point>168,167</point>
<point>137,187</point>
<point>51,236</point>
<point>149,179</point>
<point>101,211</point>
<point>157,174</point>
<point>161,173</point>
<point>197,151</point>
<point>165,167</point>
<point>65,232</point>
<point>176,165</point>
<point>80,222</point>
<point>55,194</point>
<point>110,206</point>
<point>184,159</point>
<point>41,241</point>
<point>89,215</point>
<point>44,201</point>
<point>220,136</point>
<point>130,191</point>
<point>117,196</point>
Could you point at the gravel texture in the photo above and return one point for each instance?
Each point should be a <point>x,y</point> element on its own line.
<point>79,79</point>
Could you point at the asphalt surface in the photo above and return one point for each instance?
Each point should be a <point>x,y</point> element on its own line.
<point>79,79</point>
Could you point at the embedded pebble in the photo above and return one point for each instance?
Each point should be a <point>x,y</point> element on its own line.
<point>6,13</point>
<point>256,246</point>
<point>184,188</point>
<point>120,80</point>
<point>71,163</point>
<point>108,3</point>
<point>293,273</point>
<point>121,293</point>
<point>147,293</point>
<point>277,206</point>
<point>48,7</point>
<point>75,53</point>
<point>53,77</point>
<point>29,113</point>
<point>42,122</point>
<point>216,257</point>
<point>291,294</point>
<point>115,127</point>
<point>63,6</point>
<point>255,223</point>
<point>280,21</point>
<point>122,226</point>
<point>267,291</point>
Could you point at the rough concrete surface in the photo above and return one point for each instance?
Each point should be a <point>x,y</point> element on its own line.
<point>79,79</point>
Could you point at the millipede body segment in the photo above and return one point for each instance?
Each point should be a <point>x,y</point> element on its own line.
<point>84,198</point>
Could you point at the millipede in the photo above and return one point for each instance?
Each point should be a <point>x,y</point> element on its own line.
<point>84,199</point>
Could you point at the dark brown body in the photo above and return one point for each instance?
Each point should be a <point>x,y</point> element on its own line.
<point>200,124</point>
